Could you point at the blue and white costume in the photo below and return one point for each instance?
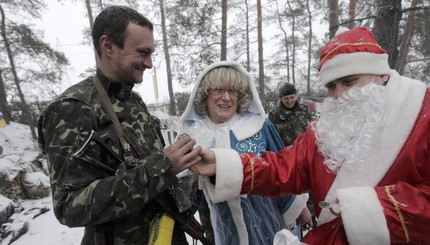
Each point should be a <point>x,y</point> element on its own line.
<point>248,219</point>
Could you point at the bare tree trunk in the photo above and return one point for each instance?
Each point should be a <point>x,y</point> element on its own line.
<point>287,55</point>
<point>248,54</point>
<point>90,14</point>
<point>406,40</point>
<point>333,17</point>
<point>260,53</point>
<point>91,21</point>
<point>386,28</point>
<point>224,31</point>
<point>293,47</point>
<point>172,104</point>
<point>351,13</point>
<point>424,43</point>
<point>3,101</point>
<point>308,82</point>
<point>27,117</point>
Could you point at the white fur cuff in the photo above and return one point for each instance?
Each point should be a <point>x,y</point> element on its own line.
<point>296,208</point>
<point>229,174</point>
<point>363,216</point>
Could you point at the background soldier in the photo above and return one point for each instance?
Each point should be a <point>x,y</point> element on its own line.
<point>289,117</point>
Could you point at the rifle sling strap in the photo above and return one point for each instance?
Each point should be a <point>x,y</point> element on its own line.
<point>191,226</point>
<point>107,104</point>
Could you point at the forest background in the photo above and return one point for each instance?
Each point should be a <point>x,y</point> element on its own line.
<point>277,41</point>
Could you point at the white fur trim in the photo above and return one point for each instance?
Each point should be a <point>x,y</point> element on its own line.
<point>243,131</point>
<point>285,237</point>
<point>363,216</point>
<point>251,127</point>
<point>341,29</point>
<point>403,102</point>
<point>343,65</point>
<point>229,175</point>
<point>237,213</point>
<point>295,209</point>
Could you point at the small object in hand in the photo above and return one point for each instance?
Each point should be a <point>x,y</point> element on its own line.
<point>182,136</point>
<point>332,206</point>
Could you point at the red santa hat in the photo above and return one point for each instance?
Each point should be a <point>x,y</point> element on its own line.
<point>352,52</point>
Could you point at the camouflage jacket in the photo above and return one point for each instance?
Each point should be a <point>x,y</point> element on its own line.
<point>290,123</point>
<point>92,185</point>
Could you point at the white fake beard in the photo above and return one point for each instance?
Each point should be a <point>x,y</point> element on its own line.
<point>347,124</point>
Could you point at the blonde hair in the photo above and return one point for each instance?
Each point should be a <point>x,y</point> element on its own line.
<point>228,78</point>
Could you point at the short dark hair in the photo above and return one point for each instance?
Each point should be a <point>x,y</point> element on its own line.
<point>287,89</point>
<point>113,21</point>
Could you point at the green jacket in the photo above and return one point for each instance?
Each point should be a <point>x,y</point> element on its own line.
<point>290,122</point>
<point>92,186</point>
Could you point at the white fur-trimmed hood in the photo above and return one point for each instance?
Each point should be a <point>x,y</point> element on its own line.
<point>251,126</point>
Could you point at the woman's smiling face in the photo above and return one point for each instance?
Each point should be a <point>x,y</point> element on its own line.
<point>222,104</point>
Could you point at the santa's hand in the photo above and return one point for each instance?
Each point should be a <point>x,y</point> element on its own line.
<point>206,166</point>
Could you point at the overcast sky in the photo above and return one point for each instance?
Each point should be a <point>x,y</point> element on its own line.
<point>63,25</point>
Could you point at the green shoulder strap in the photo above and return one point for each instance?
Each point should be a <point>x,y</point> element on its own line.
<point>107,104</point>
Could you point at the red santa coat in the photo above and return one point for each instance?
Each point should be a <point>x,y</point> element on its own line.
<point>386,203</point>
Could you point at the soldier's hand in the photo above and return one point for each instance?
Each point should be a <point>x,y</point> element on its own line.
<point>182,154</point>
<point>206,166</point>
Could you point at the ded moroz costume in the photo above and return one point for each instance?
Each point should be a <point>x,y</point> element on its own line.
<point>382,193</point>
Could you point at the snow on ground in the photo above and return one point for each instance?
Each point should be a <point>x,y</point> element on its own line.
<point>44,229</point>
<point>16,139</point>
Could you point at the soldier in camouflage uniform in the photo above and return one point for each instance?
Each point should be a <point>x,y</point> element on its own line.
<point>92,185</point>
<point>291,120</point>
<point>289,117</point>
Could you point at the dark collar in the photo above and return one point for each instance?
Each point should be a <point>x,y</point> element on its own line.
<point>284,111</point>
<point>117,89</point>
